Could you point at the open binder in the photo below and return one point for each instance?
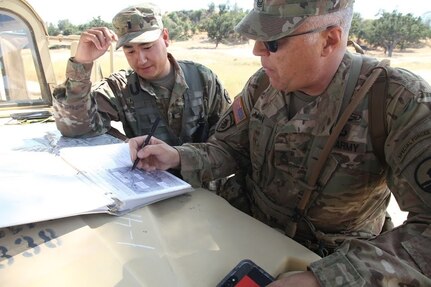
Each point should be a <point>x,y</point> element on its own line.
<point>38,186</point>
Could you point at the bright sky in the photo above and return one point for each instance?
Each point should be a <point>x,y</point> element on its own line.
<point>83,11</point>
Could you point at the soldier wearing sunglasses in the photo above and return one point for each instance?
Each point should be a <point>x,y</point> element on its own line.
<point>279,126</point>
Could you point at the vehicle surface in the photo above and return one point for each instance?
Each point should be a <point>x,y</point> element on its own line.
<point>190,240</point>
<point>25,64</point>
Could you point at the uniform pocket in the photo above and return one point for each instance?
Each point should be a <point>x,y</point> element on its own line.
<point>415,247</point>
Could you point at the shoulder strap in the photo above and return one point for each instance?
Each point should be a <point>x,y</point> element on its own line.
<point>377,118</point>
<point>315,172</point>
<point>351,81</point>
<point>195,83</point>
<point>113,131</point>
<point>343,120</point>
<point>191,75</point>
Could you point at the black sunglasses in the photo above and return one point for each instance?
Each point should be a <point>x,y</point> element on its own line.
<point>272,46</point>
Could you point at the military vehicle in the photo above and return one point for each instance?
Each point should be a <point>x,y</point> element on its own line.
<point>188,240</point>
<point>27,74</point>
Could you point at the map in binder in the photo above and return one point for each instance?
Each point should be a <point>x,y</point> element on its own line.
<point>38,186</point>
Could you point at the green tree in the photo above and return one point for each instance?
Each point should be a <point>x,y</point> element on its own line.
<point>66,28</point>
<point>220,25</point>
<point>394,29</point>
<point>53,30</point>
<point>357,28</point>
<point>179,25</point>
<point>95,22</point>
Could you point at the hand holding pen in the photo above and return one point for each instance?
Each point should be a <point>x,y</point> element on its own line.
<point>147,140</point>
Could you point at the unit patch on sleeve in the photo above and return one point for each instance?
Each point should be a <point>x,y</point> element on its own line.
<point>423,175</point>
<point>225,123</point>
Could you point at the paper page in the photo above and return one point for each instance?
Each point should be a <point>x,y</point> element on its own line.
<point>109,166</point>
<point>37,186</point>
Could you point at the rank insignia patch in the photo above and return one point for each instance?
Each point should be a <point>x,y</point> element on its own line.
<point>239,113</point>
<point>423,175</point>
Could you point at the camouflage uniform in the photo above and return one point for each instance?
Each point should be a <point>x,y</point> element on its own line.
<point>257,135</point>
<point>188,113</point>
<point>276,153</point>
<point>85,110</point>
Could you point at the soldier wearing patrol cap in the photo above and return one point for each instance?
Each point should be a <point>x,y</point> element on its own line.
<point>187,96</point>
<point>302,133</point>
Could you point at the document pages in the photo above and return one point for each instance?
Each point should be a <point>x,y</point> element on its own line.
<point>38,186</point>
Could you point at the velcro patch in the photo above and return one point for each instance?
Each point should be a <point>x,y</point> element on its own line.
<point>225,123</point>
<point>423,175</point>
<point>410,143</point>
<point>239,113</point>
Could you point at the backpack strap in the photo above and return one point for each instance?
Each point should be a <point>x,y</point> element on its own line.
<point>195,83</point>
<point>355,70</point>
<point>113,131</point>
<point>314,173</point>
<point>377,118</point>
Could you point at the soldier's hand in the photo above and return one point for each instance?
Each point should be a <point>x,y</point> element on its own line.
<point>303,279</point>
<point>156,155</point>
<point>93,43</point>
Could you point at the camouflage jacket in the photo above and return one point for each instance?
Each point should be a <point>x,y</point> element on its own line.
<point>85,109</point>
<point>257,135</point>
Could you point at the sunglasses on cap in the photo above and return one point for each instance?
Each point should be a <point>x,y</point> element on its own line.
<point>272,46</point>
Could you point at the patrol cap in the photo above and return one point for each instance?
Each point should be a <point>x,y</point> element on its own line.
<point>273,19</point>
<point>138,24</point>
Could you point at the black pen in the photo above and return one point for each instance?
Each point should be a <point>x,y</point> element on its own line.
<point>147,140</point>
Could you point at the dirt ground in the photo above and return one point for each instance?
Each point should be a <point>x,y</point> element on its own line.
<point>418,60</point>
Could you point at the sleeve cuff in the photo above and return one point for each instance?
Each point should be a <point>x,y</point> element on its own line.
<point>190,165</point>
<point>187,160</point>
<point>336,270</point>
<point>77,71</point>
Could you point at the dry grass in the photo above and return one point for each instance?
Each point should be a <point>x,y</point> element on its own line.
<point>235,64</point>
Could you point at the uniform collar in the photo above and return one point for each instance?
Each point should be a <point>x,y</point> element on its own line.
<point>180,82</point>
<point>322,114</point>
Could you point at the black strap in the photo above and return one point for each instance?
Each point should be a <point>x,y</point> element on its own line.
<point>192,76</point>
<point>377,116</point>
<point>195,83</point>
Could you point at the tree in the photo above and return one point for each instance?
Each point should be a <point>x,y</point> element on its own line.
<point>397,30</point>
<point>53,30</point>
<point>66,28</point>
<point>357,27</point>
<point>95,22</point>
<point>220,26</point>
<point>180,25</point>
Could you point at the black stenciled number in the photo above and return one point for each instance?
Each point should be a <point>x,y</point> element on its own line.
<point>30,244</point>
<point>4,255</point>
<point>48,235</point>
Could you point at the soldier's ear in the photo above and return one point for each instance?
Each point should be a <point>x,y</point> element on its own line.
<point>331,40</point>
<point>165,36</point>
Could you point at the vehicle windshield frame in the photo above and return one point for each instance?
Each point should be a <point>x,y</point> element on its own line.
<point>23,83</point>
